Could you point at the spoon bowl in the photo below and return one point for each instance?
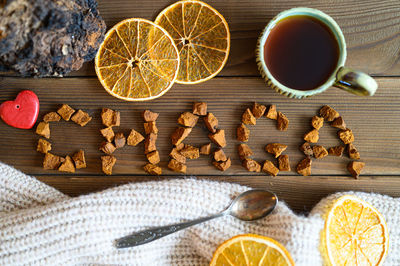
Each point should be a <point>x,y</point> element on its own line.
<point>253,204</point>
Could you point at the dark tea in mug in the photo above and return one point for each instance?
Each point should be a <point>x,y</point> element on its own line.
<point>301,52</point>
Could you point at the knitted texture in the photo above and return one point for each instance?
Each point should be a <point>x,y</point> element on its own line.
<point>41,226</point>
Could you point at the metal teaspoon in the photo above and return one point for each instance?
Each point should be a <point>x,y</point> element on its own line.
<point>248,206</point>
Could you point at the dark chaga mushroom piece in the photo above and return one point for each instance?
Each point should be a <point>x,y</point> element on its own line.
<point>49,38</point>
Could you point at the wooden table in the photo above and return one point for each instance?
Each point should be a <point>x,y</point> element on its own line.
<point>372,31</point>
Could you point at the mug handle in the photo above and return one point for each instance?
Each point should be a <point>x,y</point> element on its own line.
<point>355,81</point>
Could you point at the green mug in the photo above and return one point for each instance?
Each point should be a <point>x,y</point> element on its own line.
<point>342,77</point>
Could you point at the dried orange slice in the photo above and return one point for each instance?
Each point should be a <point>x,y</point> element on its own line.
<point>137,61</point>
<point>355,233</point>
<point>202,36</point>
<point>251,250</point>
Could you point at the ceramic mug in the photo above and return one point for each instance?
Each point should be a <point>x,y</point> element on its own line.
<point>342,77</point>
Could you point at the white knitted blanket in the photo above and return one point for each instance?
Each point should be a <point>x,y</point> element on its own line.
<point>39,225</point>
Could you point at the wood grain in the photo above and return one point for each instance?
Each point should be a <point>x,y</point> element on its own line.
<point>372,32</point>
<point>371,29</point>
<point>300,193</point>
<point>375,122</point>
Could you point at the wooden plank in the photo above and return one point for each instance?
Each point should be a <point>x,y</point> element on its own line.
<point>375,122</point>
<point>301,193</point>
<point>371,29</point>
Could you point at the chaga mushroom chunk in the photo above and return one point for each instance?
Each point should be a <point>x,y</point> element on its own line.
<point>284,163</point>
<point>211,122</point>
<point>47,37</point>
<point>243,133</point>
<point>43,146</point>
<point>175,154</point>
<point>79,159</point>
<point>304,167</point>
<point>152,169</point>
<point>336,151</point>
<point>244,151</point>
<point>205,149</point>
<point>190,152</point>
<point>251,165</point>
<point>270,168</point>
<point>223,166</point>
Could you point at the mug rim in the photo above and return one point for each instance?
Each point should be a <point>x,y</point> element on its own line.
<point>323,18</point>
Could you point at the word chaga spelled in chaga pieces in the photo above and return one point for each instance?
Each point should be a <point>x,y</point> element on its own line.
<point>242,133</point>
<point>312,136</point>
<point>248,117</point>
<point>51,117</point>
<point>319,152</point>
<point>150,127</point>
<point>188,119</point>
<point>180,134</point>
<point>336,151</point>
<point>328,113</point>
<point>272,113</point>
<point>200,108</point>
<point>107,164</point>
<point>65,111</point>
<point>275,148</point>
<point>110,118</point>
<point>43,129</point>
<point>152,169</point>
<point>339,123</point>
<point>150,143</point>
<point>244,151</point>
<point>304,167</point>
<point>205,149</point>
<point>51,161</point>
<point>251,165</point>
<point>108,133</point>
<point>352,151</point>
<point>219,155</point>
<point>346,135</point>
<point>284,163</point>
<point>317,122</point>
<point>223,166</point>
<point>67,165</point>
<point>134,138</point>
<point>270,168</point>
<point>355,168</point>
<point>119,140</point>
<point>81,118</point>
<point>79,159</point>
<point>153,157</point>
<point>282,122</point>
<point>107,147</point>
<point>218,138</point>
<point>190,152</point>
<point>176,166</point>
<point>149,116</point>
<point>258,110</point>
<point>175,154</point>
<point>306,149</point>
<point>211,122</point>
<point>43,146</point>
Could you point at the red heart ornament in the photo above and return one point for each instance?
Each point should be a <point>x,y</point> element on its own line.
<point>22,112</point>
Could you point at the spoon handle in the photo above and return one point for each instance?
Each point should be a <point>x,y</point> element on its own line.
<point>152,234</point>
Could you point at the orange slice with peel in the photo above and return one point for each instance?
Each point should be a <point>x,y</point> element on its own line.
<point>251,250</point>
<point>137,61</point>
<point>202,36</point>
<point>355,233</point>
